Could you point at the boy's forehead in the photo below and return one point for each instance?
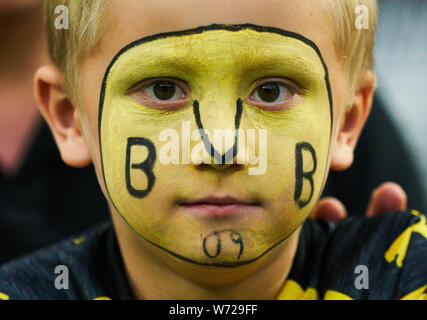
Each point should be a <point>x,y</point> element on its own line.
<point>224,47</point>
<point>142,18</point>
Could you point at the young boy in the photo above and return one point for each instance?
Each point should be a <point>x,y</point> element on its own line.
<point>142,91</point>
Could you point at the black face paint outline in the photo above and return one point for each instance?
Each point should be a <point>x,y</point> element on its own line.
<point>234,28</point>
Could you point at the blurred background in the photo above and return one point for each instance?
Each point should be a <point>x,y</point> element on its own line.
<point>43,200</point>
<point>393,144</point>
<point>401,66</point>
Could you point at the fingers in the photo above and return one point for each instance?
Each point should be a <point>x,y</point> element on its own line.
<point>330,209</point>
<point>387,197</point>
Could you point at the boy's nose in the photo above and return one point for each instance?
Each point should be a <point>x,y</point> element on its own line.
<point>218,124</point>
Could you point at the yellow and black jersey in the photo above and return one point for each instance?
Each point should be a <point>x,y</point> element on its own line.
<point>383,257</point>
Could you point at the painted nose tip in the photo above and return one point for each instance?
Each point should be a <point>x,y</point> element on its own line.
<point>220,161</point>
<point>221,167</point>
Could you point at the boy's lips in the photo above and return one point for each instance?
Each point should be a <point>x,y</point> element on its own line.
<point>220,206</point>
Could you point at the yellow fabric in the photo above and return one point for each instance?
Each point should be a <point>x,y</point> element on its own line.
<point>335,295</point>
<point>293,291</point>
<point>419,294</point>
<point>4,296</point>
<point>102,298</point>
<point>399,247</point>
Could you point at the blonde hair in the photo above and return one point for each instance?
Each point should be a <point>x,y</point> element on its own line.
<point>354,45</point>
<point>68,48</point>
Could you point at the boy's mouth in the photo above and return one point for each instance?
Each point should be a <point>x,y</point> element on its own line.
<point>220,206</point>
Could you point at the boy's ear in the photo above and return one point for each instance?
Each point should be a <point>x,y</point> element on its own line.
<point>61,116</point>
<point>352,123</point>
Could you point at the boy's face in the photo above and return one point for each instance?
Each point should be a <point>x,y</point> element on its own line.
<point>150,101</point>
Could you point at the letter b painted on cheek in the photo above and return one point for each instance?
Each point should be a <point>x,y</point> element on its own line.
<point>301,175</point>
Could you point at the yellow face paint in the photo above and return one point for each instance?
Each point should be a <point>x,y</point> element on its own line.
<point>222,66</point>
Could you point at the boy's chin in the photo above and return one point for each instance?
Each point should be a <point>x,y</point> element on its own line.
<point>222,249</point>
<point>226,262</point>
<point>224,245</point>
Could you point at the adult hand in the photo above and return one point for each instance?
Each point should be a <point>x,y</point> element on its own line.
<point>389,196</point>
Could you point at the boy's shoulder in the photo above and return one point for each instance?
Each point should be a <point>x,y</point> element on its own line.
<point>80,267</point>
<point>383,257</point>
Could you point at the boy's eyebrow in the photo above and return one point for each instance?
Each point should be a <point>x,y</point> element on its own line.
<point>268,59</point>
<point>202,29</point>
<point>265,59</point>
<point>234,28</point>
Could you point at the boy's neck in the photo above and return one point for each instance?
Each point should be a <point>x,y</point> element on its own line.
<point>154,274</point>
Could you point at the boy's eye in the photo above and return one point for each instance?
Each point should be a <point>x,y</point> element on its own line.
<point>164,90</point>
<point>268,92</point>
<point>274,94</point>
<point>162,94</point>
